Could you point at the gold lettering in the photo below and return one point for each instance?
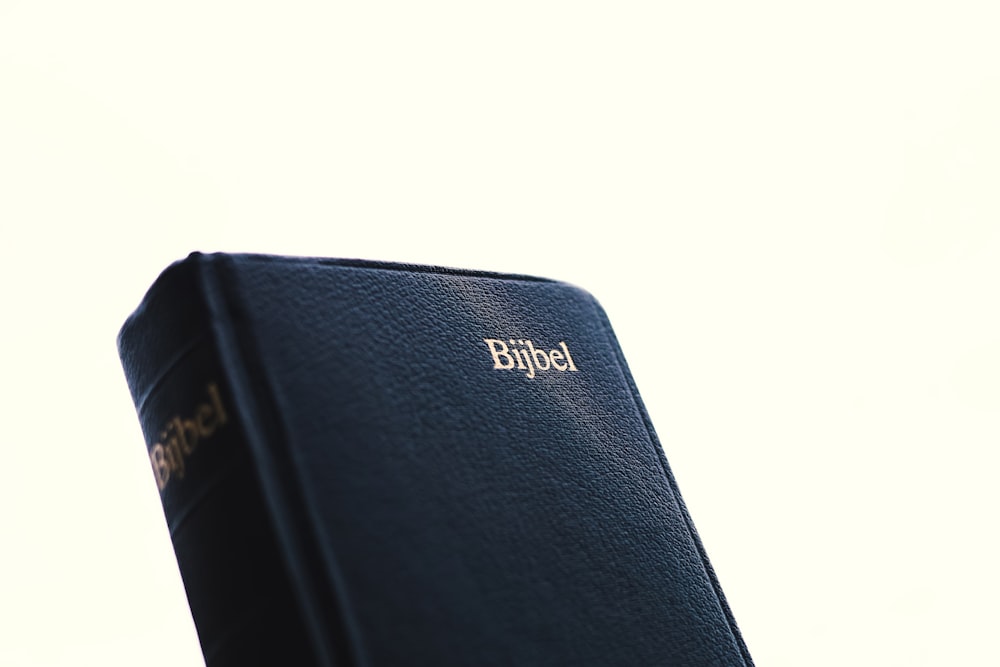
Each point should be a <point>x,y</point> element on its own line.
<point>527,360</point>
<point>534,356</point>
<point>181,437</point>
<point>520,364</point>
<point>187,434</point>
<point>202,416</point>
<point>213,391</point>
<point>492,343</point>
<point>175,456</point>
<point>161,470</point>
<point>569,359</point>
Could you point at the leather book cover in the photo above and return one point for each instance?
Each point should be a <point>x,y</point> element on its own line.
<point>374,464</point>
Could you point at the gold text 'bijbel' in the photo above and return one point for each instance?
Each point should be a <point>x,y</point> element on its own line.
<point>529,358</point>
<point>181,436</point>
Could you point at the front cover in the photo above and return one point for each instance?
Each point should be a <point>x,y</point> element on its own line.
<point>479,473</point>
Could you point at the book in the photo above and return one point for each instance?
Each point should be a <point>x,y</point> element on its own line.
<point>377,464</point>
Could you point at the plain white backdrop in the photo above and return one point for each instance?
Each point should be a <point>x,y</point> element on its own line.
<point>790,212</point>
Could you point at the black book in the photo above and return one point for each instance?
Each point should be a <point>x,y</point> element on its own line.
<point>370,465</point>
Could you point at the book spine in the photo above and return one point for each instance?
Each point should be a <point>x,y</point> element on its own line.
<point>242,600</point>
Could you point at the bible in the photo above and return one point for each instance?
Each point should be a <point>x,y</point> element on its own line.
<point>375,464</point>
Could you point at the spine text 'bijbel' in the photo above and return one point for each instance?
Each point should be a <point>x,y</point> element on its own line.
<point>238,589</point>
<point>181,437</point>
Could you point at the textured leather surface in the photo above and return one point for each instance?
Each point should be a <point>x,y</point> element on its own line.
<point>445,511</point>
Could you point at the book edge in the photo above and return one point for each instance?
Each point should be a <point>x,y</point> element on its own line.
<point>672,484</point>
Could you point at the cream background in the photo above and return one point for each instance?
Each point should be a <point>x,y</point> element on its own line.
<point>789,210</point>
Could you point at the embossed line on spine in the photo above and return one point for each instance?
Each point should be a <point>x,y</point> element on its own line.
<point>198,498</point>
<point>175,360</point>
<point>253,400</point>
